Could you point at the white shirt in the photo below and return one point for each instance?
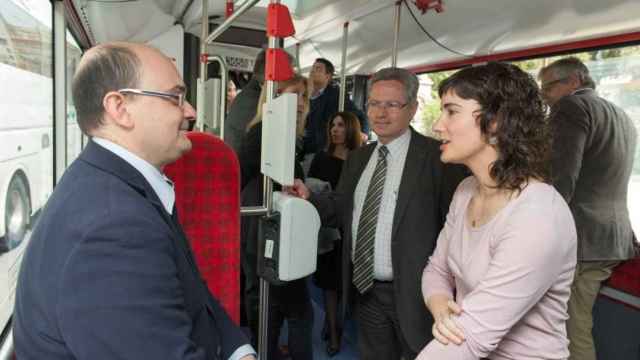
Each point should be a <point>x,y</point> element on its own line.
<point>398,148</point>
<point>163,187</point>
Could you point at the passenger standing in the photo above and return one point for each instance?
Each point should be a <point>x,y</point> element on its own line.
<point>232,92</point>
<point>594,143</point>
<point>243,106</point>
<point>325,99</point>
<point>498,282</point>
<point>391,202</point>
<point>343,134</point>
<point>290,301</point>
<point>108,272</point>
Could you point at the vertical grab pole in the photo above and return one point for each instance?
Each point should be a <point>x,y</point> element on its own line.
<point>200,97</point>
<point>267,196</point>
<point>396,34</point>
<point>298,57</point>
<point>343,75</point>
<point>59,120</point>
<point>222,109</point>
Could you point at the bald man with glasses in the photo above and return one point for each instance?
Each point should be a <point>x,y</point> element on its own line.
<point>108,272</point>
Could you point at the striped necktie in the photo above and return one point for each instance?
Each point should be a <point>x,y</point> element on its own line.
<point>363,259</point>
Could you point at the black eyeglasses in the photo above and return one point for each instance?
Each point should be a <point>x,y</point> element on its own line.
<point>391,106</point>
<point>546,87</point>
<point>177,98</point>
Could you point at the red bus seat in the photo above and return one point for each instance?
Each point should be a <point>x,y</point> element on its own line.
<point>207,186</point>
<point>626,277</point>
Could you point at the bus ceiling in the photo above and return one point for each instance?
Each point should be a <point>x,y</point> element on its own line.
<point>449,33</point>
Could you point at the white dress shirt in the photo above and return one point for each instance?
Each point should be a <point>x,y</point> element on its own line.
<point>398,148</point>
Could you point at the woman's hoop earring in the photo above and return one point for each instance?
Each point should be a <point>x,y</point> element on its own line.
<point>493,140</point>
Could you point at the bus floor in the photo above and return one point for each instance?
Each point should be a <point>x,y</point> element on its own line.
<point>348,349</point>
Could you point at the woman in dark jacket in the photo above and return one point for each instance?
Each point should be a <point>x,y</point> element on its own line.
<point>290,301</point>
<point>343,134</point>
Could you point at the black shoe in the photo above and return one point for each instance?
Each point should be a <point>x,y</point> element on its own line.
<point>324,334</point>
<point>331,351</point>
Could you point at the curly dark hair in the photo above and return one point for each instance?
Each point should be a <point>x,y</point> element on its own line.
<point>512,116</point>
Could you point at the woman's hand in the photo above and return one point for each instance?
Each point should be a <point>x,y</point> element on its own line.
<point>299,189</point>
<point>444,328</point>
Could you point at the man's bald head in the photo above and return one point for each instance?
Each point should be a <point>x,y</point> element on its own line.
<point>104,68</point>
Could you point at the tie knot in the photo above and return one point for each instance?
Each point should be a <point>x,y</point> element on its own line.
<point>383,151</point>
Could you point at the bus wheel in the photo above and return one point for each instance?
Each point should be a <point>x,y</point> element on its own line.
<point>17,213</point>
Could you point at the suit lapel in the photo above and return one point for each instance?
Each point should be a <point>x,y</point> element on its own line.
<point>104,159</point>
<point>411,176</point>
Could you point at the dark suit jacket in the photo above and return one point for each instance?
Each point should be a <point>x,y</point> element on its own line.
<point>593,148</point>
<point>425,192</point>
<point>321,111</point>
<point>107,275</point>
<point>242,111</point>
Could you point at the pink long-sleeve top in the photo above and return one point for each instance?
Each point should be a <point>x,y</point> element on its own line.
<point>511,276</point>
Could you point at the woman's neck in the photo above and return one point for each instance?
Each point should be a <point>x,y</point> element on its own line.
<point>340,151</point>
<point>480,166</point>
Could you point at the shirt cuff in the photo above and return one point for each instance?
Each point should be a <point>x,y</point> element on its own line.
<point>242,351</point>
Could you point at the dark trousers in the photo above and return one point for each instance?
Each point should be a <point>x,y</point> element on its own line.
<point>379,333</point>
<point>290,302</point>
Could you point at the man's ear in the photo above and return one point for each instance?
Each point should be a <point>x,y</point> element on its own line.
<point>413,108</point>
<point>115,108</point>
<point>574,81</point>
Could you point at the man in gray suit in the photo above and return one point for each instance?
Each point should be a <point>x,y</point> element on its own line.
<point>243,108</point>
<point>387,244</point>
<point>592,158</point>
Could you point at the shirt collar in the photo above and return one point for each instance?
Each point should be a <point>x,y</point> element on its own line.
<point>581,90</point>
<point>162,186</point>
<point>397,144</point>
<point>313,97</point>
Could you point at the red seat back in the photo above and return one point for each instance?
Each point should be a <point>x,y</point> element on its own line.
<point>626,277</point>
<point>207,182</point>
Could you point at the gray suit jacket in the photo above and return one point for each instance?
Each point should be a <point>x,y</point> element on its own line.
<point>425,192</point>
<point>593,148</point>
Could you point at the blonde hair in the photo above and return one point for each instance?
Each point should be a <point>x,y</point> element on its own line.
<point>295,80</point>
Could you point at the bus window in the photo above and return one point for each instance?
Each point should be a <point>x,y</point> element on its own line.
<point>26,142</point>
<point>428,102</point>
<point>616,73</point>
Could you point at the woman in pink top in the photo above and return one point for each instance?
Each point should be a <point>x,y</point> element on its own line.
<point>499,279</point>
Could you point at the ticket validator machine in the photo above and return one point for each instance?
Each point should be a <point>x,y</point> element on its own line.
<point>288,241</point>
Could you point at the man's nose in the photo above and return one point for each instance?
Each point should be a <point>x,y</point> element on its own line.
<point>188,111</point>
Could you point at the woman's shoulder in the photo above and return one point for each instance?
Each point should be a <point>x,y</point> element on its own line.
<point>539,193</point>
<point>540,201</point>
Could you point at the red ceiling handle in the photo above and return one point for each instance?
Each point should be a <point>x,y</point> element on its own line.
<point>279,23</point>
<point>229,9</point>
<point>277,67</point>
<point>426,5</point>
